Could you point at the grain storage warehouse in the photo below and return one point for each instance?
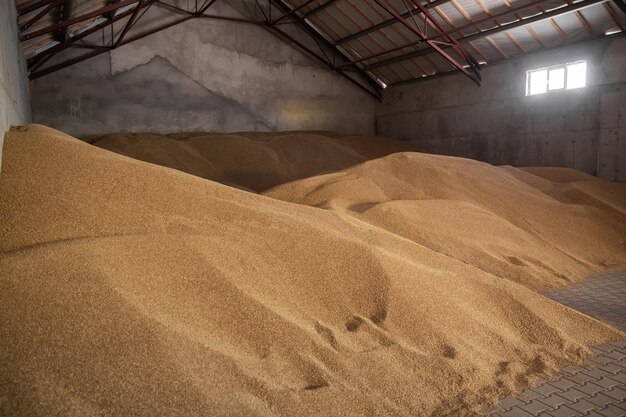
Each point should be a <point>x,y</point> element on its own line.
<point>313,208</point>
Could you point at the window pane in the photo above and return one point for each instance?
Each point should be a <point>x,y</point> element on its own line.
<point>556,79</point>
<point>538,82</point>
<point>576,75</point>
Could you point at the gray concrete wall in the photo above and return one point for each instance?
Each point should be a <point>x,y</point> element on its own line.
<point>201,75</point>
<point>583,129</point>
<point>14,100</point>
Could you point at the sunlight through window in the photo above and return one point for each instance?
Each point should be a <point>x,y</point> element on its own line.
<point>557,77</point>
<point>576,75</point>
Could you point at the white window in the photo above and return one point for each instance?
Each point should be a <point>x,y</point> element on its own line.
<point>556,78</point>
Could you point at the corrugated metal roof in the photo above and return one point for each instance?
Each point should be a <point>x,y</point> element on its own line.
<point>366,33</point>
<point>463,18</point>
<point>56,11</point>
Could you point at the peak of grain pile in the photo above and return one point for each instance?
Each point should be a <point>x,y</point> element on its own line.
<point>134,289</point>
<point>543,227</point>
<point>251,160</point>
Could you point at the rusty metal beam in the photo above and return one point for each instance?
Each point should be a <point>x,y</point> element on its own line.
<point>39,59</point>
<point>77,19</point>
<point>479,35</point>
<point>66,13</point>
<point>388,22</point>
<point>374,93</point>
<point>292,11</point>
<point>123,39</point>
<point>97,50</point>
<point>451,73</point>
<point>27,8</point>
<point>613,15</point>
<point>51,6</point>
<point>452,31</point>
<point>320,8</point>
<point>131,22</point>
<point>321,40</point>
<point>469,67</point>
<point>621,5</point>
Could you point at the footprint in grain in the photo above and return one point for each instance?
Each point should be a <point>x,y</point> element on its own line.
<point>354,323</point>
<point>315,386</point>
<point>448,352</point>
<point>327,334</point>
<point>515,260</point>
<point>369,333</point>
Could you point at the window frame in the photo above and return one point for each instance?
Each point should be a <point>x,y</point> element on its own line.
<point>550,68</point>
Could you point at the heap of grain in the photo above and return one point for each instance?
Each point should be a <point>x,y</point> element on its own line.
<point>251,160</point>
<point>503,220</point>
<point>134,289</point>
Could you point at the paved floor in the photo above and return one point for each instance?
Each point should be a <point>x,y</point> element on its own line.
<point>598,389</point>
<point>602,296</point>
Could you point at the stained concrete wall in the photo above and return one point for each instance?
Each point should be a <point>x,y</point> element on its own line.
<point>14,100</point>
<point>202,75</point>
<point>583,129</point>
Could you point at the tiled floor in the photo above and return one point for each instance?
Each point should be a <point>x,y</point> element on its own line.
<point>599,389</point>
<point>602,296</point>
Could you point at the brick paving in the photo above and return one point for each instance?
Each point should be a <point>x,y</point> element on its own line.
<point>602,296</point>
<point>599,388</point>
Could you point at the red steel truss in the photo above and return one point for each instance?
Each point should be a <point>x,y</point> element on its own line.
<point>280,17</point>
<point>464,63</point>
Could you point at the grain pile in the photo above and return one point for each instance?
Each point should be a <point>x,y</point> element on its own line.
<point>542,227</point>
<point>133,289</point>
<point>251,160</point>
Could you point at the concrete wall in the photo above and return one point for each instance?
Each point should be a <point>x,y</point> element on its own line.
<point>584,129</point>
<point>14,100</point>
<point>201,75</point>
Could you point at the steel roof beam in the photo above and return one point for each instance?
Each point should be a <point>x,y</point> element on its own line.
<point>39,59</point>
<point>319,8</point>
<point>41,14</point>
<point>479,35</point>
<point>374,93</point>
<point>453,31</point>
<point>29,7</point>
<point>498,61</point>
<point>621,5</point>
<point>316,35</point>
<point>111,14</point>
<point>34,63</point>
<point>292,11</point>
<point>77,19</point>
<point>66,13</point>
<point>388,22</point>
<point>467,64</point>
<point>612,13</point>
<point>131,22</point>
<point>97,50</point>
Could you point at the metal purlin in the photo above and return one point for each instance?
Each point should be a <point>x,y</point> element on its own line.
<point>469,67</point>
